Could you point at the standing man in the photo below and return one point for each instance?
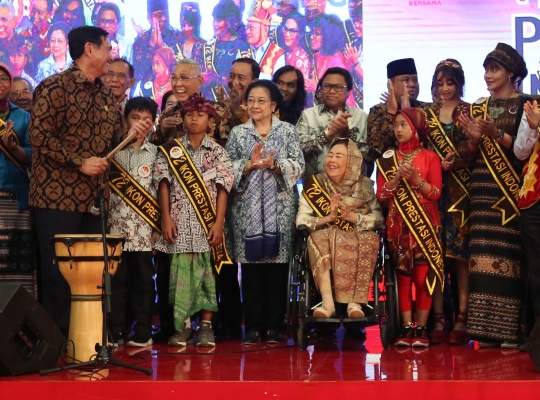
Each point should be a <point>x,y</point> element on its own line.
<point>403,89</point>
<point>243,72</point>
<point>269,55</point>
<point>319,125</point>
<point>74,124</point>
<point>159,35</point>
<point>120,79</point>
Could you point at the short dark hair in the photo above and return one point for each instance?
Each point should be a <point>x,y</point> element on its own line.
<point>141,104</point>
<point>59,26</point>
<point>291,112</point>
<point>165,98</point>
<point>109,7</point>
<point>255,67</point>
<point>130,67</point>
<point>18,78</point>
<point>338,71</point>
<point>273,90</point>
<point>78,37</point>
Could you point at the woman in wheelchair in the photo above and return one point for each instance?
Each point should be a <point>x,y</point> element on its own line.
<point>341,212</point>
<point>411,180</point>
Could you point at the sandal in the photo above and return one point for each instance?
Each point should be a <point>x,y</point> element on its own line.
<point>323,312</point>
<point>460,336</point>
<point>355,312</point>
<point>438,336</point>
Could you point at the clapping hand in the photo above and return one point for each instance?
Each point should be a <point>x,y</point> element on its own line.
<point>449,161</point>
<point>408,171</point>
<point>258,158</point>
<point>390,98</point>
<point>532,113</point>
<point>8,140</point>
<point>470,125</point>
<point>334,206</point>
<point>340,124</point>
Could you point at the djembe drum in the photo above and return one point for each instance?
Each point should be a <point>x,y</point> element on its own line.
<point>81,262</point>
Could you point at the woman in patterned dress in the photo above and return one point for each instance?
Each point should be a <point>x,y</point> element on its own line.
<point>447,87</point>
<point>495,268</point>
<point>350,254</point>
<point>267,162</point>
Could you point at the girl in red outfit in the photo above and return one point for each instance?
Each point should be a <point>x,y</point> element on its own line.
<point>417,173</point>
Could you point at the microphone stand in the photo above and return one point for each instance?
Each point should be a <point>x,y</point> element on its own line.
<point>103,352</point>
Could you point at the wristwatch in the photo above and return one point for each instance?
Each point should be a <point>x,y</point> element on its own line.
<point>274,166</point>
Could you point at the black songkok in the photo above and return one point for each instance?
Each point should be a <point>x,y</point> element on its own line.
<point>405,66</point>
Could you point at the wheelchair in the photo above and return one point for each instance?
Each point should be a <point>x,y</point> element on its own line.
<point>303,297</point>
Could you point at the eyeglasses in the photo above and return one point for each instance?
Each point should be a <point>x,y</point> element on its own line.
<point>312,12</point>
<point>291,32</point>
<point>109,22</point>
<point>183,78</point>
<point>5,19</point>
<point>15,94</point>
<point>260,102</point>
<point>4,79</point>
<point>315,33</point>
<point>119,75</point>
<point>252,27</point>
<point>327,87</point>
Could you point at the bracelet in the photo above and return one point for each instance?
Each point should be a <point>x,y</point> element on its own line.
<point>417,187</point>
<point>358,219</point>
<point>500,136</point>
<point>385,187</point>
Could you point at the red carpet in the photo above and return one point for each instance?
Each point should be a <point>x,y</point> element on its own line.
<point>331,368</point>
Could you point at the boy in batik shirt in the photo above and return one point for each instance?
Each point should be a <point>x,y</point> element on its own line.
<point>192,285</point>
<point>134,220</point>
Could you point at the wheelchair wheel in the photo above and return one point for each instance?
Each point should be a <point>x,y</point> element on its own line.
<point>292,297</point>
<point>393,307</point>
<point>301,338</point>
<point>386,335</point>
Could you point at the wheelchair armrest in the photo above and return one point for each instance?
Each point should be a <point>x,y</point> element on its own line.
<point>381,229</point>
<point>303,230</point>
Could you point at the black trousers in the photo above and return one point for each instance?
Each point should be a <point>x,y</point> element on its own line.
<point>166,317</point>
<point>133,281</point>
<point>228,319</point>
<point>530,232</point>
<point>264,291</point>
<point>55,292</point>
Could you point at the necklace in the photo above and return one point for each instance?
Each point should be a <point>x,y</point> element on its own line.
<point>494,112</point>
<point>408,157</point>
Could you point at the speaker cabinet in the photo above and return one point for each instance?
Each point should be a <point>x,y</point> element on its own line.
<point>29,339</point>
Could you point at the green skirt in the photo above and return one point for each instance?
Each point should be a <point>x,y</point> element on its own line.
<point>192,287</point>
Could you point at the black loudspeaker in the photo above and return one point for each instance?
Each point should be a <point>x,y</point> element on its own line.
<point>29,338</point>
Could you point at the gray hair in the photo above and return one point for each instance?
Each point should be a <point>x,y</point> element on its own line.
<point>9,5</point>
<point>195,67</point>
<point>18,78</point>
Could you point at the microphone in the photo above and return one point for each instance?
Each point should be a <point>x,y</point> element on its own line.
<point>96,207</point>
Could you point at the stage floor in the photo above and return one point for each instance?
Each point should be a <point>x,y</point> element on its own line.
<point>333,366</point>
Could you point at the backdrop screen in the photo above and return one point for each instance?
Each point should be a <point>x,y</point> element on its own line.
<point>311,35</point>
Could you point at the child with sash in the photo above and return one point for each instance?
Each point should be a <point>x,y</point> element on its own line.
<point>134,213</point>
<point>193,176</point>
<point>411,179</point>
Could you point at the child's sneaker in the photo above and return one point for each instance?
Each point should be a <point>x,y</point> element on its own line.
<point>205,336</point>
<point>406,335</point>
<point>420,338</point>
<point>140,340</point>
<point>180,339</point>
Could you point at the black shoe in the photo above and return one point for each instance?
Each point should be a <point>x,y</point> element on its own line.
<point>420,338</point>
<point>252,337</point>
<point>406,336</point>
<point>140,340</point>
<point>273,336</point>
<point>117,339</point>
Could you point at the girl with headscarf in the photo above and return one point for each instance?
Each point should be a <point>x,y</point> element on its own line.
<point>417,173</point>
<point>341,237</point>
<point>495,268</point>
<point>445,136</point>
<point>163,64</point>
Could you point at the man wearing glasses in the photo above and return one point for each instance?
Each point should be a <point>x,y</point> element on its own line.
<point>109,18</point>
<point>120,79</point>
<point>332,118</point>
<point>314,8</point>
<point>160,34</point>
<point>7,28</point>
<point>269,55</point>
<point>21,93</point>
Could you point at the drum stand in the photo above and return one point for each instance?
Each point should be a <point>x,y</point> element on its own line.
<point>103,352</point>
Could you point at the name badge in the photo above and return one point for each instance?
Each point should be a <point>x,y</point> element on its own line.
<point>209,175</point>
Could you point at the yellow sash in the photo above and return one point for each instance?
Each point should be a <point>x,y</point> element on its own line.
<point>442,146</point>
<point>189,177</point>
<point>319,200</point>
<point>417,221</point>
<point>144,204</point>
<point>502,171</point>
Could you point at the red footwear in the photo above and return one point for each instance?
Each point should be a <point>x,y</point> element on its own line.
<point>420,338</point>
<point>460,337</point>
<point>438,336</point>
<point>406,335</point>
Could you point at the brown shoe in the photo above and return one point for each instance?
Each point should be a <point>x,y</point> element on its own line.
<point>438,336</point>
<point>458,336</point>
